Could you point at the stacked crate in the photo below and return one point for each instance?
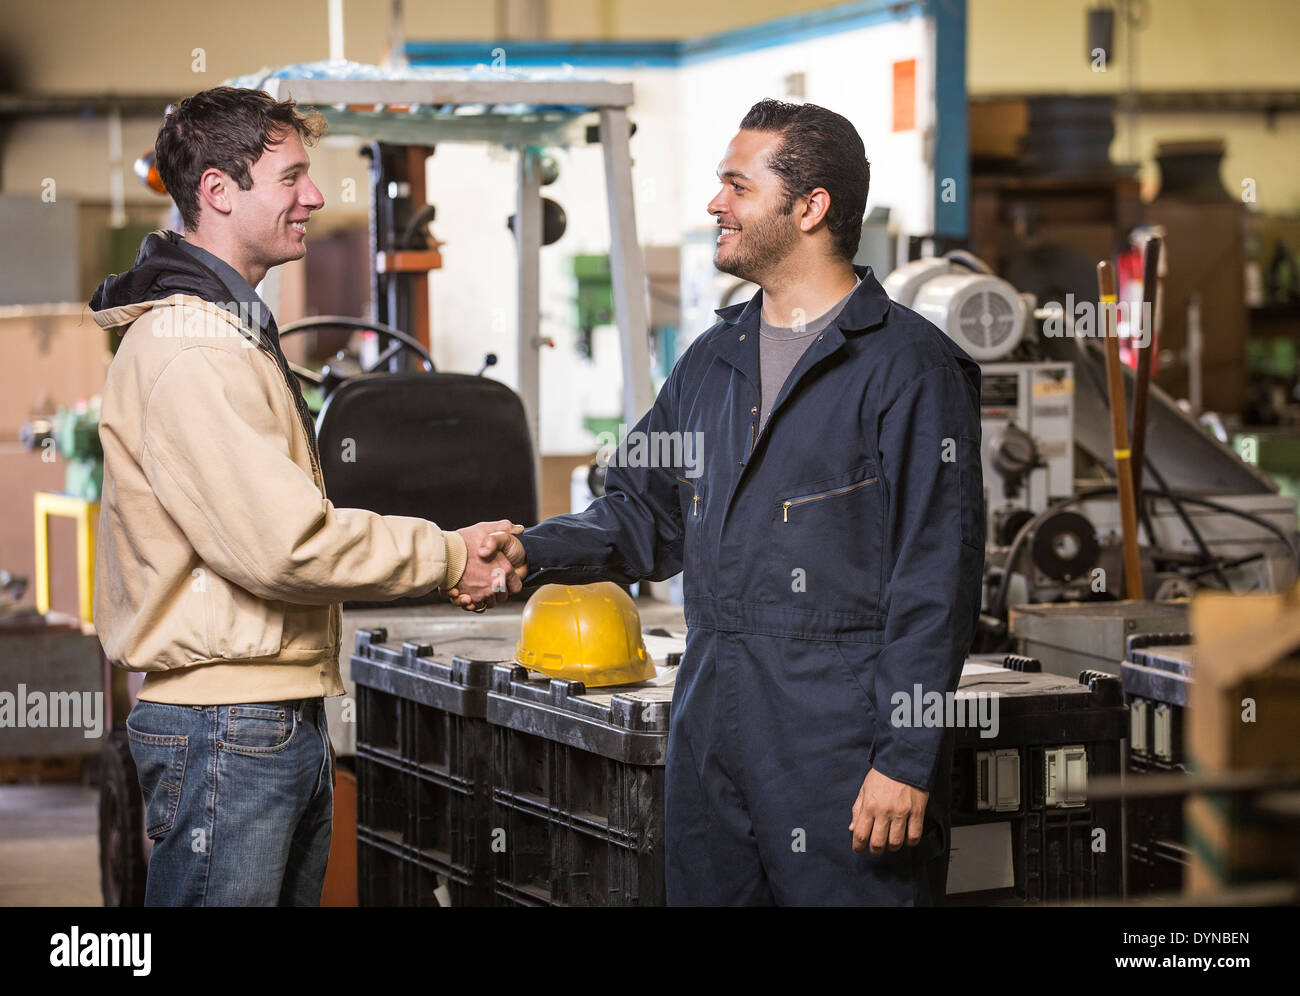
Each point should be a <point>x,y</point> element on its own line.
<point>578,791</point>
<point>1024,830</point>
<point>424,769</point>
<point>517,789</point>
<point>1157,677</point>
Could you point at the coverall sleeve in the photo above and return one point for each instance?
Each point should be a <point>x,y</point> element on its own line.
<point>633,531</point>
<point>217,457</point>
<point>930,458</point>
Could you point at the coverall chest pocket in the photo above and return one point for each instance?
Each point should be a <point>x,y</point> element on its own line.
<point>691,492</point>
<point>829,541</point>
<point>693,509</point>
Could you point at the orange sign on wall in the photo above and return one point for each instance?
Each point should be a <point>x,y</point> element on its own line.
<point>905,95</point>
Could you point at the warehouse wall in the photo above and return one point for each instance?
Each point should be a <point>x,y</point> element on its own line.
<point>1187,44</point>
<point>1015,47</point>
<point>146,46</point>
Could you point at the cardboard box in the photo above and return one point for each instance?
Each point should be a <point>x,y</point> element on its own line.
<point>53,356</point>
<point>1243,716</point>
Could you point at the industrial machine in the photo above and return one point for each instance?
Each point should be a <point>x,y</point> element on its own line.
<point>1207,517</point>
<point>983,314</point>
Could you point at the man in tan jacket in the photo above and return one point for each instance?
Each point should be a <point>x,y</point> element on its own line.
<point>221,562</point>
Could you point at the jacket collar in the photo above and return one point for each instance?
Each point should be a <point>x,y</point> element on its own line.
<point>865,309</point>
<point>247,302</point>
<point>736,340</point>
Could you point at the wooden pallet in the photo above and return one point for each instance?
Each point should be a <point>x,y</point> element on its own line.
<point>40,769</point>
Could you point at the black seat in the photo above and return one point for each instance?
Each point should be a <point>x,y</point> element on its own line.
<point>452,448</point>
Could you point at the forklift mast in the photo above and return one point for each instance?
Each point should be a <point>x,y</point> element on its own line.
<point>401,251</point>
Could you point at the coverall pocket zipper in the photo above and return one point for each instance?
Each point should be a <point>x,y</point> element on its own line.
<point>696,501</point>
<point>789,503</point>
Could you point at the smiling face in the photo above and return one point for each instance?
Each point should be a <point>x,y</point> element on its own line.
<point>755,232</point>
<point>270,218</point>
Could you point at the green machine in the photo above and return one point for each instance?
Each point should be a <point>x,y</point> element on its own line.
<point>73,434</point>
<point>1274,451</point>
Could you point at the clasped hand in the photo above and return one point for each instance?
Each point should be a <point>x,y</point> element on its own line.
<point>494,566</point>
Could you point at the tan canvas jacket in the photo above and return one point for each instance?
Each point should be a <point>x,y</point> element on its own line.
<point>220,561</point>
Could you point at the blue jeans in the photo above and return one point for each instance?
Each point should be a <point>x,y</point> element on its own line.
<point>238,801</point>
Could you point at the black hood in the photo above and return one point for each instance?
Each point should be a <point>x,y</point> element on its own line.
<point>162,268</point>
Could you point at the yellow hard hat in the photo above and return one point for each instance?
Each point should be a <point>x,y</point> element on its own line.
<point>584,632</point>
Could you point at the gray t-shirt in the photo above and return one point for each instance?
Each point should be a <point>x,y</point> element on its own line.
<point>779,350</point>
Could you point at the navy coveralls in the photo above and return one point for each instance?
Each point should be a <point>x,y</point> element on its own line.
<point>831,560</point>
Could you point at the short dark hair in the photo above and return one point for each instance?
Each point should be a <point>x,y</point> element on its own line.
<point>818,148</point>
<point>227,128</point>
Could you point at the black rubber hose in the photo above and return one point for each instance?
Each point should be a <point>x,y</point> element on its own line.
<point>998,608</point>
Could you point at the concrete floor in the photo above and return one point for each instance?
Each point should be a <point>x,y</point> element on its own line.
<point>49,845</point>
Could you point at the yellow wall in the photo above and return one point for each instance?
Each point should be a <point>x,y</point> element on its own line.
<point>1019,47</point>
<point>146,46</point>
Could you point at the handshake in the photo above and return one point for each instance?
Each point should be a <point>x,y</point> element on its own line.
<point>494,567</point>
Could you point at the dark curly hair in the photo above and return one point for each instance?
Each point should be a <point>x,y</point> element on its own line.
<point>818,148</point>
<point>227,128</point>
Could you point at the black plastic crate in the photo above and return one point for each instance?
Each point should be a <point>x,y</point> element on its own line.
<point>578,790</point>
<point>384,800</point>
<point>427,830</point>
<point>1157,675</point>
<point>444,684</point>
<point>424,765</point>
<point>1020,812</point>
<point>390,876</point>
<point>383,871</point>
<point>529,856</point>
<point>445,825</point>
<point>380,715</point>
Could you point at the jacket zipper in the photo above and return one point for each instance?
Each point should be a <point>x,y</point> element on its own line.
<point>335,620</point>
<point>753,432</point>
<point>335,617</point>
<point>695,502</point>
<point>791,502</point>
<point>303,416</point>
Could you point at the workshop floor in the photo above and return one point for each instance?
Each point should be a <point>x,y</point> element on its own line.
<point>49,845</point>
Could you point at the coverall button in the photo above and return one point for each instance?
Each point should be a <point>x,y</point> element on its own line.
<point>742,337</point>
